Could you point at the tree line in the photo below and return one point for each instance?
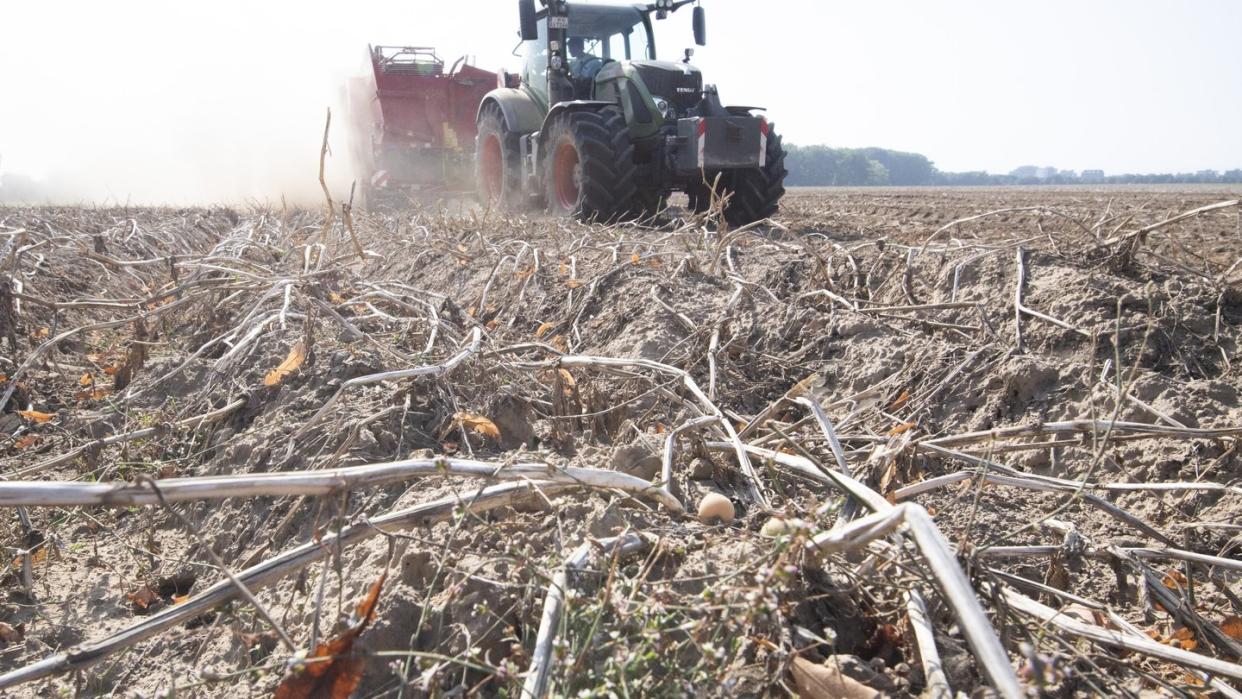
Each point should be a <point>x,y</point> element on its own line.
<point>824,166</point>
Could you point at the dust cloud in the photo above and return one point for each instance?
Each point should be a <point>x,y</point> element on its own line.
<point>181,103</point>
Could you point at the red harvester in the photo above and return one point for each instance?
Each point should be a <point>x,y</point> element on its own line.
<point>414,124</point>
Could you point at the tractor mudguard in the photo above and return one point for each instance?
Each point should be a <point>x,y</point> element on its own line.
<point>566,107</point>
<point>521,113</point>
<point>576,106</point>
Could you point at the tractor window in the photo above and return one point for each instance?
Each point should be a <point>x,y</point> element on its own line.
<point>627,46</point>
<point>610,31</point>
<point>535,73</point>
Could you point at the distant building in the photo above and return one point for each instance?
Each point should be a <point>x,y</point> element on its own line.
<point>1092,175</point>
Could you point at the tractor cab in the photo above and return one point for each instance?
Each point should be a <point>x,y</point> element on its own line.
<point>597,35</point>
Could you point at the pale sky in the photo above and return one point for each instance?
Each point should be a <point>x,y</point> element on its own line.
<point>182,101</point>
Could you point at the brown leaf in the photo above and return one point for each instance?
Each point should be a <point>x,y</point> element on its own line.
<point>297,355</point>
<point>1232,626</point>
<point>180,599</point>
<point>1193,680</point>
<point>143,597</point>
<point>568,384</point>
<point>38,556</point>
<point>135,358</point>
<point>26,441</point>
<point>821,682</point>
<point>9,634</point>
<point>634,259</point>
<point>901,399</point>
<point>573,283</point>
<point>340,674</point>
<point>544,328</point>
<point>1174,580</point>
<point>888,482</point>
<point>478,424</point>
<point>40,333</point>
<point>36,416</point>
<point>86,379</point>
<point>903,427</point>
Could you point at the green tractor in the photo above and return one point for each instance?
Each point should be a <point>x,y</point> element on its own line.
<point>597,128</point>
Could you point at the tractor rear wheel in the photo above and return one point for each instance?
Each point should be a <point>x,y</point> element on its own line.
<point>496,167</point>
<point>589,166</point>
<point>755,194</point>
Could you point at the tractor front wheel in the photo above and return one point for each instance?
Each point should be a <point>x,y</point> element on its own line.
<point>589,166</point>
<point>496,166</point>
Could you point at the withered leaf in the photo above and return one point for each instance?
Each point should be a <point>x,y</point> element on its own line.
<point>38,556</point>
<point>143,597</point>
<point>902,428</point>
<point>9,634</point>
<point>339,675</point>
<point>36,416</point>
<point>544,328</point>
<point>573,283</point>
<point>821,682</point>
<point>292,363</point>
<point>478,424</point>
<point>1232,626</point>
<point>1174,580</point>
<point>901,399</point>
<point>26,441</point>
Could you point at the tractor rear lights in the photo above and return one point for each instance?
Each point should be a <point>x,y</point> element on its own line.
<point>763,141</point>
<point>701,130</point>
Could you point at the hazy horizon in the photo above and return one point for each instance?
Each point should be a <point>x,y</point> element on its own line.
<point>168,102</point>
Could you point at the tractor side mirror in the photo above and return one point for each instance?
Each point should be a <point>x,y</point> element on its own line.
<point>530,26</point>
<point>700,25</point>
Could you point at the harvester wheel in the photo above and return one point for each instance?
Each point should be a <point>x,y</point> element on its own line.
<point>497,170</point>
<point>755,193</point>
<point>589,166</point>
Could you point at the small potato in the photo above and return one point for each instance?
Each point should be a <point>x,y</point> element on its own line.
<point>715,508</point>
<point>780,527</point>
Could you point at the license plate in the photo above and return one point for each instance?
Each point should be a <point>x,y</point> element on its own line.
<point>558,23</point>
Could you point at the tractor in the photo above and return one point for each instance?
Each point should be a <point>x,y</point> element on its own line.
<point>597,128</point>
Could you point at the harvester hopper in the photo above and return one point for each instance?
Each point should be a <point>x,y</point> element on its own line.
<point>413,123</point>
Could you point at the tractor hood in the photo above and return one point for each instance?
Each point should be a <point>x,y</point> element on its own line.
<point>679,83</point>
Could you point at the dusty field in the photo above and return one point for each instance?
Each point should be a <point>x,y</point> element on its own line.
<point>1055,384</point>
